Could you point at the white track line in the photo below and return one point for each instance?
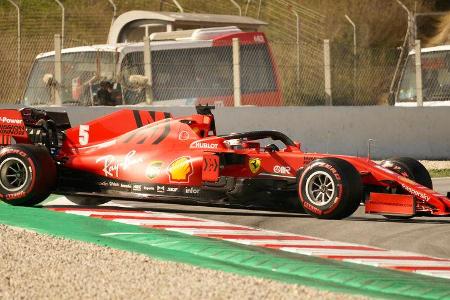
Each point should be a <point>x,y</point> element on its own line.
<point>306,245</point>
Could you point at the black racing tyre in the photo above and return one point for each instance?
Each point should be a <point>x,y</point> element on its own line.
<point>87,201</point>
<point>409,168</point>
<point>330,188</point>
<point>27,174</point>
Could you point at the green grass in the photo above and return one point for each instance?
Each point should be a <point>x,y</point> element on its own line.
<point>439,172</point>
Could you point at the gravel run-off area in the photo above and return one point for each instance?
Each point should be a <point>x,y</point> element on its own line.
<point>436,164</point>
<point>36,266</point>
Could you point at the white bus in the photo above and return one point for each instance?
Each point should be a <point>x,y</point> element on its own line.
<point>188,67</point>
<point>435,78</point>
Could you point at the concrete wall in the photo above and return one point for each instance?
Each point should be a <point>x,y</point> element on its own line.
<point>423,133</point>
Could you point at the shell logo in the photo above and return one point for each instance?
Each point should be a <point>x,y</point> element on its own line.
<point>180,169</point>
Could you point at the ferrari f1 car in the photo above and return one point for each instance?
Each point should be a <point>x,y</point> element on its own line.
<point>151,156</point>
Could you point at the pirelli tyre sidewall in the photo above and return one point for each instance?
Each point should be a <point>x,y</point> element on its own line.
<point>342,187</point>
<point>37,174</point>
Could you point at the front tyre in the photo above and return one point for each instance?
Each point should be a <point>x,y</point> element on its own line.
<point>409,168</point>
<point>330,188</point>
<point>27,174</point>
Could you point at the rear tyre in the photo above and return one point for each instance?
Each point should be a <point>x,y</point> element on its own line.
<point>409,168</point>
<point>27,174</point>
<point>330,188</point>
<point>87,201</point>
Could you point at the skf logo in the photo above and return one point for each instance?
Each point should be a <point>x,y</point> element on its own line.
<point>284,170</point>
<point>153,169</point>
<point>254,164</point>
<point>180,169</point>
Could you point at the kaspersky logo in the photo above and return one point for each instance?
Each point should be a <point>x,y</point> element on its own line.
<point>180,169</point>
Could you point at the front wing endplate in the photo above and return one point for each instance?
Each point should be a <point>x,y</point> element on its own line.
<point>391,204</point>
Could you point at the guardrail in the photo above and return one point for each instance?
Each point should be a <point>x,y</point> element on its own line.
<point>422,133</point>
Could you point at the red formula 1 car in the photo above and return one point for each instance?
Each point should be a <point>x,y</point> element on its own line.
<point>150,156</point>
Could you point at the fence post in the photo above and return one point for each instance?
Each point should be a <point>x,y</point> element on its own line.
<point>327,69</point>
<point>236,72</point>
<point>58,71</point>
<point>148,71</point>
<point>419,85</point>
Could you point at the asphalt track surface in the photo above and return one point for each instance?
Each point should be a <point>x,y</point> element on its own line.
<point>424,235</point>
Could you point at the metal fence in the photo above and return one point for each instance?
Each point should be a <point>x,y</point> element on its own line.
<point>269,75</point>
<point>360,76</point>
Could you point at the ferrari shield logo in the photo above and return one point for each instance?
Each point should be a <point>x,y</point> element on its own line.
<point>254,164</point>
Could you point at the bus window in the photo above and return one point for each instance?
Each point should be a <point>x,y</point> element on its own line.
<point>78,70</point>
<point>194,73</point>
<point>435,78</point>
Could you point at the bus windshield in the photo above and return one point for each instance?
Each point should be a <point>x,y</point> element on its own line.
<point>192,73</point>
<point>435,77</point>
<point>183,76</point>
<point>79,77</point>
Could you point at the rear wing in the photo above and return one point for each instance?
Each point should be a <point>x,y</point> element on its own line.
<point>12,126</point>
<point>29,125</point>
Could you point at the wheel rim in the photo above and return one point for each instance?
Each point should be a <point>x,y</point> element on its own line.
<point>320,188</point>
<point>13,174</point>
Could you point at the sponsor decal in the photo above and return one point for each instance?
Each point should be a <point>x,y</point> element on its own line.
<point>283,170</point>
<point>254,164</point>
<point>153,169</point>
<point>258,39</point>
<point>11,121</point>
<point>415,193</point>
<point>113,165</point>
<point>180,169</point>
<point>312,208</point>
<point>5,151</point>
<point>204,145</point>
<point>15,195</point>
<point>160,189</point>
<point>149,188</point>
<point>172,189</point>
<point>192,191</point>
<point>137,188</point>
<point>183,135</point>
<point>12,129</point>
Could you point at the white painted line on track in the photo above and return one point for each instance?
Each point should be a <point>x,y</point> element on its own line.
<point>289,242</point>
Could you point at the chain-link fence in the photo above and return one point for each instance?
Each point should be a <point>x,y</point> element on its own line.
<point>270,75</point>
<point>362,76</point>
<point>292,72</point>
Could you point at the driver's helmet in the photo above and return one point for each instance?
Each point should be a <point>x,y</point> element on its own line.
<point>234,143</point>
